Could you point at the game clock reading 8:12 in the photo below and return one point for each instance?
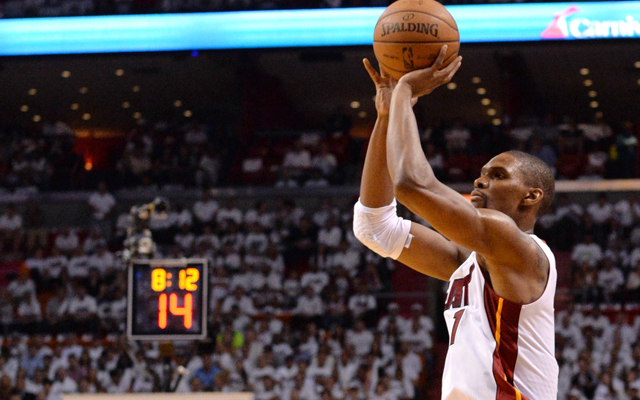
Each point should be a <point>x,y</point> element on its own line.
<point>168,299</point>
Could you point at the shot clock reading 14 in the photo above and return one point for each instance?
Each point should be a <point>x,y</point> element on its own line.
<point>187,280</point>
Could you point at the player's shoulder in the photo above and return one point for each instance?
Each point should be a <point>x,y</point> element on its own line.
<point>502,227</point>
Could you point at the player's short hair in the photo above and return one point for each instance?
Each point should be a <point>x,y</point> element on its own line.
<point>537,174</point>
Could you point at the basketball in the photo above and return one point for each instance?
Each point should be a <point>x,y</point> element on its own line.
<point>410,33</point>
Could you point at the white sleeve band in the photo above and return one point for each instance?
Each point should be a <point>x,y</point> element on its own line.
<point>381,230</point>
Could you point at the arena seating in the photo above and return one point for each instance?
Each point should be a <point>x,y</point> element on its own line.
<point>62,312</point>
<point>189,156</point>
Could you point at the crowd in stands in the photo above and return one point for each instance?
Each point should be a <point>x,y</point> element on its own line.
<point>293,308</point>
<point>597,343</point>
<point>293,311</point>
<point>55,8</point>
<point>195,154</point>
<point>604,241</point>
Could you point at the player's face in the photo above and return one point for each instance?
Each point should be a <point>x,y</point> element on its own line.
<point>500,185</point>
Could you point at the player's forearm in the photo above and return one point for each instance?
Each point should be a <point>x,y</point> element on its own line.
<point>406,161</point>
<point>415,185</point>
<point>376,188</point>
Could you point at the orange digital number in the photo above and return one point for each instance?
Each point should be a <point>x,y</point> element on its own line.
<point>185,311</point>
<point>158,279</point>
<point>162,311</point>
<point>189,279</point>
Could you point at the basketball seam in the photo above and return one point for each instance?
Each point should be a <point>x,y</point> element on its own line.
<point>414,41</point>
<point>452,55</point>
<point>418,11</point>
<point>393,69</point>
<point>399,70</point>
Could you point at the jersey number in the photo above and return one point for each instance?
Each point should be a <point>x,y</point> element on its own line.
<point>456,321</point>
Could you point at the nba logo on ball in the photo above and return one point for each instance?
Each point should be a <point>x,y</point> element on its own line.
<point>407,57</point>
<point>410,33</point>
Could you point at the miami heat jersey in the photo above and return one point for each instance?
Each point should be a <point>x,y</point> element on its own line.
<point>499,349</point>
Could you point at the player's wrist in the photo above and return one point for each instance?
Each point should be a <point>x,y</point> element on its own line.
<point>404,89</point>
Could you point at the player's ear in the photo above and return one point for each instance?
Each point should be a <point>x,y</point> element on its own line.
<point>533,197</point>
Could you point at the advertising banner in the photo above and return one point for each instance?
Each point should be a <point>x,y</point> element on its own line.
<point>308,28</point>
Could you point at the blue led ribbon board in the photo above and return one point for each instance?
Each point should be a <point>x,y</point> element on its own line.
<point>307,28</point>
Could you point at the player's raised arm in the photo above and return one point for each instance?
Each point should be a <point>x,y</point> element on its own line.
<point>479,229</point>
<point>376,223</point>
<point>376,188</point>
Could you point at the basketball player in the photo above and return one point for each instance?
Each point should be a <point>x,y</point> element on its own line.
<point>502,278</point>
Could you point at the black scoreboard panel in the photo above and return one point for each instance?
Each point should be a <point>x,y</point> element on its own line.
<point>167,299</point>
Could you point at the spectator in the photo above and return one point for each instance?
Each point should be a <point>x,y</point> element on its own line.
<point>206,374</point>
<point>588,252</point>
<point>330,235</point>
<point>268,389</point>
<point>362,305</point>
<point>424,321</point>
<point>22,287</point>
<point>327,210</point>
<point>545,152</point>
<point>309,306</point>
<point>325,162</point>
<point>91,243</point>
<point>54,306</point>
<point>256,237</point>
<point>54,265</point>
<point>360,338</point>
<point>37,233</point>
<point>627,211</point>
<point>230,213</point>
<point>601,212</point>
<point>186,239</point>
<point>457,138</point>
<point>209,239</point>
<point>11,231</point>
<point>304,242</point>
<point>205,209</point>
<point>102,204</point>
<point>103,260</point>
<point>585,379</point>
<point>67,241</point>
<point>610,280</point>
<point>315,278</point>
<point>78,266</point>
<point>297,160</point>
<point>139,162</point>
<point>32,361</point>
<point>633,284</point>
<point>418,338</point>
<point>393,315</point>
<point>29,314</point>
<point>80,310</point>
<point>260,214</point>
<point>241,300</point>
<point>346,258</point>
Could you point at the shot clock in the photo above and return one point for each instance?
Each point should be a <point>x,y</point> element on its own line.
<point>167,299</point>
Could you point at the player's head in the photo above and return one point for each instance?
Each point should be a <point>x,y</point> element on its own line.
<point>515,183</point>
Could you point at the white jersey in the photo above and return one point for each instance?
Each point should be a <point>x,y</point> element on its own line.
<point>499,349</point>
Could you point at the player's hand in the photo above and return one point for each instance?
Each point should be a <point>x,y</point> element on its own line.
<point>384,88</point>
<point>425,81</point>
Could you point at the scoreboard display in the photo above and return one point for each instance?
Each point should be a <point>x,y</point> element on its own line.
<point>167,299</point>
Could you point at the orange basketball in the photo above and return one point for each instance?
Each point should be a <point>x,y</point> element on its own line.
<point>410,33</point>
